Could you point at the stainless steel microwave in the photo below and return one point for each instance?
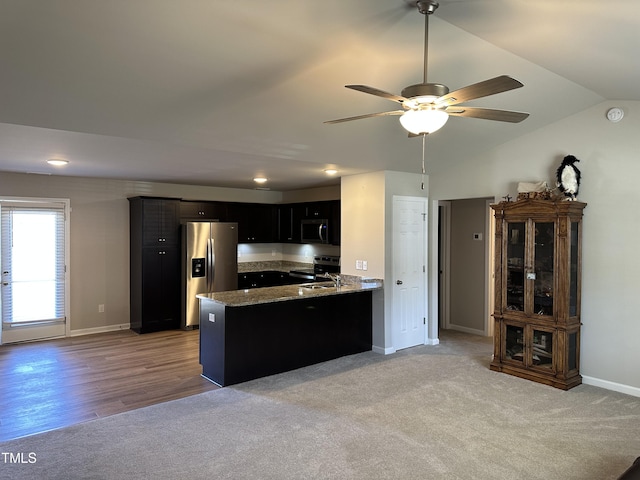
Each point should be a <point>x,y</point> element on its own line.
<point>314,230</point>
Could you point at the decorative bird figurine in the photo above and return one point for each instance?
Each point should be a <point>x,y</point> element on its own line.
<point>568,177</point>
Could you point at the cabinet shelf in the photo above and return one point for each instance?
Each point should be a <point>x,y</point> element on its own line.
<point>537,291</point>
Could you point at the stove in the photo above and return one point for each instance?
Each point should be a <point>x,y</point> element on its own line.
<point>321,264</point>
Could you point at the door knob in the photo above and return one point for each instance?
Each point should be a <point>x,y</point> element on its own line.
<point>398,282</point>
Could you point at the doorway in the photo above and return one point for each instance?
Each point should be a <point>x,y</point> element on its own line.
<point>465,274</point>
<point>33,256</point>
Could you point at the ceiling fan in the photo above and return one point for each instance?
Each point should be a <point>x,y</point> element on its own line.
<point>426,107</point>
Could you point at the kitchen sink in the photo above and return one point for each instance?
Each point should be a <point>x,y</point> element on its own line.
<point>315,286</point>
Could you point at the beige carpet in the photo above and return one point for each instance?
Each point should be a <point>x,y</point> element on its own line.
<point>433,412</point>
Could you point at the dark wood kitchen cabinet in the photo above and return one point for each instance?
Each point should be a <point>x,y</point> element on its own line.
<point>256,221</point>
<point>537,290</point>
<point>193,211</point>
<point>290,216</point>
<point>154,225</point>
<point>241,343</point>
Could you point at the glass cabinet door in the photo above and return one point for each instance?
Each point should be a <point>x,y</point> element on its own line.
<point>542,349</point>
<point>514,343</point>
<point>573,270</point>
<point>515,266</point>
<point>544,235</point>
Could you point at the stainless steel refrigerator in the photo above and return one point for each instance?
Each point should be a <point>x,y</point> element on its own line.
<point>209,264</point>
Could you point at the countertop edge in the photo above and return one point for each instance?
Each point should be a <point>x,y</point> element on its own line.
<point>255,296</point>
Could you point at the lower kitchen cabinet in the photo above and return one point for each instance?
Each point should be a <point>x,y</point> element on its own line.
<point>241,343</point>
<point>158,305</point>
<point>268,278</point>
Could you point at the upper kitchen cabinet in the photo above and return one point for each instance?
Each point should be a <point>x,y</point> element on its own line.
<point>159,220</point>
<point>289,216</point>
<point>256,221</point>
<point>193,211</point>
<point>537,290</point>
<point>318,209</point>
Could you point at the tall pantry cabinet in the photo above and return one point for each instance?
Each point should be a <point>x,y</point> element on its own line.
<point>537,290</point>
<point>154,263</point>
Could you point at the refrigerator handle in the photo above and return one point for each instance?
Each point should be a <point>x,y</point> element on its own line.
<point>211,260</point>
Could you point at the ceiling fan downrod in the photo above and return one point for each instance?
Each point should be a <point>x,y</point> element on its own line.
<point>426,7</point>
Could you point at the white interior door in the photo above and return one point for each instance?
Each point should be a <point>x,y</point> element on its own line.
<point>33,240</point>
<point>409,271</point>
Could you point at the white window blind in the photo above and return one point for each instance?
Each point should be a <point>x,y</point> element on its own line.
<point>33,263</point>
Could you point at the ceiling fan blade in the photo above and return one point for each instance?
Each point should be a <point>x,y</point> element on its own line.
<point>369,115</point>
<point>500,84</point>
<point>487,114</point>
<point>377,92</point>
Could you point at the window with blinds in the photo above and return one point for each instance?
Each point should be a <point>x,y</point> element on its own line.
<point>32,240</point>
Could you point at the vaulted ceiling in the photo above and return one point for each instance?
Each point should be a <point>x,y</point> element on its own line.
<point>215,92</point>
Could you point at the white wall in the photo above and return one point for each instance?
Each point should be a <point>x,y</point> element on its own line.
<point>366,233</point>
<point>611,261</point>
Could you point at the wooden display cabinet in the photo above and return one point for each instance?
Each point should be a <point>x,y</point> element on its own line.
<point>537,290</point>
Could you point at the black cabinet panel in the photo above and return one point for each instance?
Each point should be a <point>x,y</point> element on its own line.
<point>194,211</point>
<point>269,278</point>
<point>238,344</point>
<point>154,264</point>
<point>160,289</point>
<point>257,222</point>
<point>160,219</point>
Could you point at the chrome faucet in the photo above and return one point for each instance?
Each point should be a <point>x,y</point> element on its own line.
<point>334,278</point>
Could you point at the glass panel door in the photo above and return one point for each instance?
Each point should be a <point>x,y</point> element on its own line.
<point>543,268</point>
<point>33,256</point>
<point>573,271</point>
<point>542,349</point>
<point>515,266</point>
<point>514,344</point>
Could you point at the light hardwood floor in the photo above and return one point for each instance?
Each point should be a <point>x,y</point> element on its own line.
<point>56,383</point>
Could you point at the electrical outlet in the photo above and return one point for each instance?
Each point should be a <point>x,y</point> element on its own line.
<point>101,308</point>
<point>358,264</point>
<point>365,265</point>
<point>477,236</point>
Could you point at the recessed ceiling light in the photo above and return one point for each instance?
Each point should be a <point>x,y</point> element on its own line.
<point>58,162</point>
<point>330,171</point>
<point>259,179</point>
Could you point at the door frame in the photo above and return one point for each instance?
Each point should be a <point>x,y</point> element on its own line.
<point>47,331</point>
<point>444,263</point>
<point>425,260</point>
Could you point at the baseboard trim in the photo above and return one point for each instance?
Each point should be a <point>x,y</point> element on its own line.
<point>432,341</point>
<point>616,387</point>
<point>383,350</point>
<point>105,329</point>
<point>472,331</point>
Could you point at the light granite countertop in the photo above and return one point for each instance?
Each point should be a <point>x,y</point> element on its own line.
<point>254,296</point>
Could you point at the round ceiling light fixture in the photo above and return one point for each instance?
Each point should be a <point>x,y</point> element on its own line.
<point>330,171</point>
<point>423,120</point>
<point>58,162</point>
<point>260,180</point>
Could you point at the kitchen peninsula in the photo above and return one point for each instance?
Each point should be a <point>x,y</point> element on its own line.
<point>252,333</point>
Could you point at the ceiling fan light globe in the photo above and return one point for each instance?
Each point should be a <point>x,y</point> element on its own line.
<point>423,121</point>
